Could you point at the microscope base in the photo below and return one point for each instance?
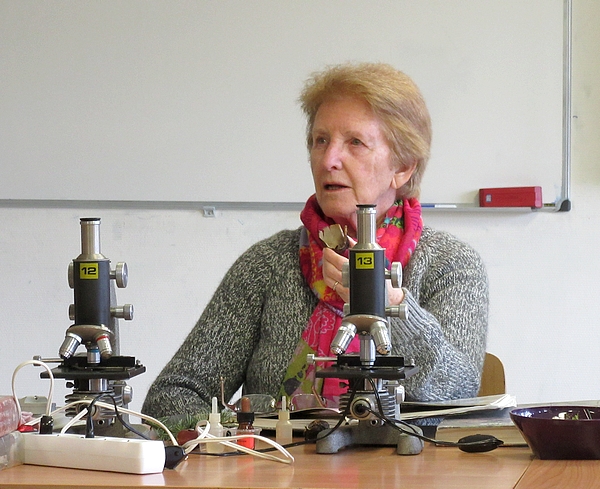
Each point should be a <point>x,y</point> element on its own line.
<point>364,433</point>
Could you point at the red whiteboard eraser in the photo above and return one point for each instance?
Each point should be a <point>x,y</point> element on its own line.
<point>511,197</point>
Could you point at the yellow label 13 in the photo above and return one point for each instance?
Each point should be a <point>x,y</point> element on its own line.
<point>364,260</point>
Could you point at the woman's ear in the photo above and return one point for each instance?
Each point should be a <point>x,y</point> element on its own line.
<point>403,174</point>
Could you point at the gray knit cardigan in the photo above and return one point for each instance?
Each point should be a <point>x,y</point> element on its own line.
<point>251,326</point>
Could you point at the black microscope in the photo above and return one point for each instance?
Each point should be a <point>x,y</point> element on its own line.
<point>101,369</point>
<point>374,376</point>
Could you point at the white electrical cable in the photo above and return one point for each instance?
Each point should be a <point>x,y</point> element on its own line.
<point>205,437</point>
<point>50,391</point>
<point>121,409</point>
<point>73,420</point>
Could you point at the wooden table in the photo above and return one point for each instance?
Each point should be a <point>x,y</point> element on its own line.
<point>546,474</point>
<point>359,467</point>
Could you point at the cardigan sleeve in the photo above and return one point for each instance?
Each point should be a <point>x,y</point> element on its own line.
<point>446,292</point>
<point>220,344</point>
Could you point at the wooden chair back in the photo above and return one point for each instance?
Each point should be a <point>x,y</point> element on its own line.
<point>492,376</point>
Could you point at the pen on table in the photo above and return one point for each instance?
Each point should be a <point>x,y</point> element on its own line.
<point>439,206</point>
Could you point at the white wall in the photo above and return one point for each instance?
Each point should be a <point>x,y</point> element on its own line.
<point>544,268</point>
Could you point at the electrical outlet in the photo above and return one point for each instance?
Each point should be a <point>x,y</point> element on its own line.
<point>133,456</point>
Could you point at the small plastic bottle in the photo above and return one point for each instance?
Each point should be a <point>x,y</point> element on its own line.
<point>216,428</point>
<point>283,427</point>
<point>245,418</point>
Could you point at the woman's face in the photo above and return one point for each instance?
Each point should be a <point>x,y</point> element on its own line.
<point>351,161</point>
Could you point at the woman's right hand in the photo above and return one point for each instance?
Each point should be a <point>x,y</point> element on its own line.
<point>332,271</point>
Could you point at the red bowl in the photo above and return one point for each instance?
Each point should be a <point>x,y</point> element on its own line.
<point>560,432</point>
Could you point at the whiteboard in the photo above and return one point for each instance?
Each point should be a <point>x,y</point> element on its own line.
<point>196,100</point>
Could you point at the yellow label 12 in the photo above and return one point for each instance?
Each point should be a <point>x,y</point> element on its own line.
<point>88,271</point>
<point>365,260</point>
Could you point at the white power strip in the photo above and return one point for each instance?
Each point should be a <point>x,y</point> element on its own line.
<point>133,456</point>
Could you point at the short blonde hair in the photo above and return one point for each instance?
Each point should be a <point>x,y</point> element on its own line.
<point>394,99</point>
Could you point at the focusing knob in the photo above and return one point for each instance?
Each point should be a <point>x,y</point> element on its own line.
<point>122,312</point>
<point>120,275</point>
<point>399,311</point>
<point>395,275</point>
<point>70,276</point>
<point>346,275</point>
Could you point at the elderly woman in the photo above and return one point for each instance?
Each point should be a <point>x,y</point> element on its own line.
<point>368,135</point>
